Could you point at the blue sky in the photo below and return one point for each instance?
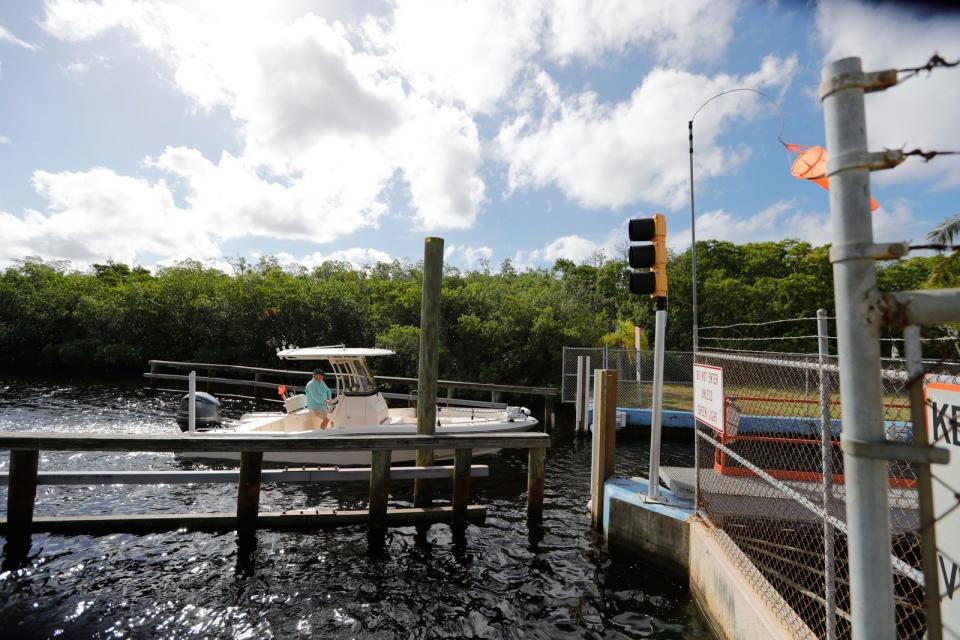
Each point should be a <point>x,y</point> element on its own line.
<point>148,130</point>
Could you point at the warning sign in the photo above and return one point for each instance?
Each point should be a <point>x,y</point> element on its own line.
<point>708,395</point>
<point>943,423</point>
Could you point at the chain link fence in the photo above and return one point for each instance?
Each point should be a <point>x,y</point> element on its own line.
<point>771,481</point>
<point>634,375</point>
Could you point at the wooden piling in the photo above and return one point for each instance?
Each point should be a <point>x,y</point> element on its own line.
<point>429,357</point>
<point>461,483</point>
<point>21,493</point>
<point>548,410</point>
<point>536,470</point>
<point>248,492</point>
<point>604,440</point>
<point>379,489</point>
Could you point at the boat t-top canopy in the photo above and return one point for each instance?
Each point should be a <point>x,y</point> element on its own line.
<point>328,353</point>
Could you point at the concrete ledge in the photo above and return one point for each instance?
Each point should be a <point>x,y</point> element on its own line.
<point>646,528</point>
<point>734,596</point>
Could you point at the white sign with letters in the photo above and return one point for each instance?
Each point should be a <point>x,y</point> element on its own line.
<point>708,395</point>
<point>943,414</point>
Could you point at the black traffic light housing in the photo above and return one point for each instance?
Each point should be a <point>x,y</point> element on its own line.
<point>649,256</point>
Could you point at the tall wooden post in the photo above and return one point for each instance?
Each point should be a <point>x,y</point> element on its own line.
<point>461,483</point>
<point>548,409</point>
<point>429,356</point>
<point>21,494</point>
<point>248,492</point>
<point>379,489</point>
<point>604,440</point>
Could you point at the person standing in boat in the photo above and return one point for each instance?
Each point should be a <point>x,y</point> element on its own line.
<point>319,397</point>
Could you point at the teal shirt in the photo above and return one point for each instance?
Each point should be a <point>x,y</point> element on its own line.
<point>317,394</point>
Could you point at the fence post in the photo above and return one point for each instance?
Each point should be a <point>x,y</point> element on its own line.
<point>429,355</point>
<point>604,440</point>
<point>248,492</point>
<point>855,289</point>
<point>379,489</point>
<point>21,495</point>
<point>826,451</point>
<point>928,534</point>
<point>580,398</point>
<point>653,478</point>
<point>461,483</point>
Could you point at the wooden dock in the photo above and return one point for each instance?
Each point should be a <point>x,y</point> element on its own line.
<point>24,477</point>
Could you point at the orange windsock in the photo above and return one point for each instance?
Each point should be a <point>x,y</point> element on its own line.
<point>811,165</point>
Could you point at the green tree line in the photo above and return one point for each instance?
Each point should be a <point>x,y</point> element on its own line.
<point>498,326</point>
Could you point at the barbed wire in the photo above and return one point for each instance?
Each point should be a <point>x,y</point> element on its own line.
<point>935,247</point>
<point>940,339</point>
<point>927,155</point>
<point>935,61</point>
<point>760,324</point>
<point>771,338</point>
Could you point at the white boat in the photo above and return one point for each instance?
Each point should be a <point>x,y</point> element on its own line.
<point>359,409</point>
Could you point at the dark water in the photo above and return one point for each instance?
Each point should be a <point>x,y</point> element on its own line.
<point>495,581</point>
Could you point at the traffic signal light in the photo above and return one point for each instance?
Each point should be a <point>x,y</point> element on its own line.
<point>649,256</point>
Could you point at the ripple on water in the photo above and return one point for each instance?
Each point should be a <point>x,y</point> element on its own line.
<point>493,582</point>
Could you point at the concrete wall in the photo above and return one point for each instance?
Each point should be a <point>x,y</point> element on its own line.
<point>733,595</point>
<point>736,599</point>
<point>653,530</point>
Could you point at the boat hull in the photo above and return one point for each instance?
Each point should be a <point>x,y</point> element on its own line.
<point>359,458</point>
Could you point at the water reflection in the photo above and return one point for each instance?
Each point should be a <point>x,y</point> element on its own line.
<point>501,579</point>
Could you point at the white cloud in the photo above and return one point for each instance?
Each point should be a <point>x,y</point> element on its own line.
<point>612,155</point>
<point>4,140</point>
<point>921,112</point>
<point>681,32</point>
<point>575,248</point>
<point>80,67</point>
<point>783,220</point>
<point>358,257</point>
<point>97,215</point>
<point>315,111</point>
<point>467,256</point>
<point>336,118</point>
<point>6,36</point>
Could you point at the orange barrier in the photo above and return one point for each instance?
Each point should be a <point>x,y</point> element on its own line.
<point>731,421</point>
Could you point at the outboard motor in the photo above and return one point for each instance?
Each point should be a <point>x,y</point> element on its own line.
<point>208,412</point>
<point>517,413</point>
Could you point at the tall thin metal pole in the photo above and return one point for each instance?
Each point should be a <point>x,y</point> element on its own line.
<point>928,535</point>
<point>192,391</point>
<point>826,442</point>
<point>858,347</point>
<point>653,479</point>
<point>693,243</point>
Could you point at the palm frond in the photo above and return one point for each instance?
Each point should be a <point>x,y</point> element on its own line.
<point>946,231</point>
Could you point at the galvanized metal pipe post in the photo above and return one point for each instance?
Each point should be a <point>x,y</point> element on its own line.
<point>693,245</point>
<point>928,533</point>
<point>855,289</point>
<point>826,442</point>
<point>192,386</point>
<point>653,479</point>
<point>429,357</point>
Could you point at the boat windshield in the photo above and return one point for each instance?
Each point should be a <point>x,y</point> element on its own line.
<point>353,376</point>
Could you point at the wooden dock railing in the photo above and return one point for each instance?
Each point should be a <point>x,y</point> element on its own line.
<point>23,479</point>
